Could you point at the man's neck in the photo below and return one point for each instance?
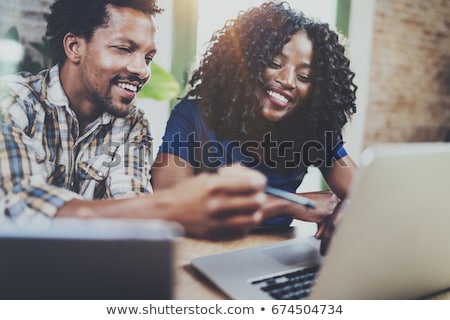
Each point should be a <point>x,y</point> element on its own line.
<point>76,94</point>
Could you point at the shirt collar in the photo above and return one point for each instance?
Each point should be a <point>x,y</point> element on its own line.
<point>55,91</point>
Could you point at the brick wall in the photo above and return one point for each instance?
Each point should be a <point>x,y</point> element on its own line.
<point>409,86</point>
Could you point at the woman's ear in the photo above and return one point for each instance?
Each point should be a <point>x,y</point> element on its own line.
<point>72,47</point>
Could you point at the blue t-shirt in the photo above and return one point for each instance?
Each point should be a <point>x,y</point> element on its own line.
<point>188,137</point>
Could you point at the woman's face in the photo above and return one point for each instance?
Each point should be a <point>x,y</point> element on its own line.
<point>288,78</point>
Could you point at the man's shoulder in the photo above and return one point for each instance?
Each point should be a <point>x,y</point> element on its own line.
<point>21,95</point>
<point>21,83</point>
<point>19,77</point>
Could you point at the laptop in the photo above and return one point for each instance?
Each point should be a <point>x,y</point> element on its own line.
<point>392,242</point>
<point>100,259</point>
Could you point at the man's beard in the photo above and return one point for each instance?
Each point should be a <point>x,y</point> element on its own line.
<point>106,104</point>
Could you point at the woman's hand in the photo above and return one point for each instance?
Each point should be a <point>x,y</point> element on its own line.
<point>326,227</point>
<point>326,201</point>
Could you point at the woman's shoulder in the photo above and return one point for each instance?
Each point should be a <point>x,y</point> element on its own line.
<point>187,113</point>
<point>187,105</point>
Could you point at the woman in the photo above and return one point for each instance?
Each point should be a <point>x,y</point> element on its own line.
<point>272,91</point>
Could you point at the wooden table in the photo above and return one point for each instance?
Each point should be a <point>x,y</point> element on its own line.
<point>190,285</point>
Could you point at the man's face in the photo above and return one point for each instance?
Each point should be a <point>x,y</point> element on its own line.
<point>115,63</point>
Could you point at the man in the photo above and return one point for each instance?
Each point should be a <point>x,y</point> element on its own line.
<point>72,143</point>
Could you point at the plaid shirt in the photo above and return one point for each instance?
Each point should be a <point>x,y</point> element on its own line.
<point>46,161</point>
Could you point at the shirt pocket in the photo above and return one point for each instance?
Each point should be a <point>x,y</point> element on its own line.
<point>92,176</point>
<point>55,174</point>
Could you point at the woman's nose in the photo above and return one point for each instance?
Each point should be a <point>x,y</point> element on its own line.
<point>286,78</point>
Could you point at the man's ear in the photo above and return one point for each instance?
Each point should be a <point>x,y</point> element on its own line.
<point>72,47</point>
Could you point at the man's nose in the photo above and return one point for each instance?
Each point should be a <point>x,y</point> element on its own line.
<point>138,66</point>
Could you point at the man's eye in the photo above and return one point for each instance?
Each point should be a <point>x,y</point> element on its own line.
<point>148,60</point>
<point>124,49</point>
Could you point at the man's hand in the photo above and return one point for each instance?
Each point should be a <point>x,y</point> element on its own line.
<point>217,206</point>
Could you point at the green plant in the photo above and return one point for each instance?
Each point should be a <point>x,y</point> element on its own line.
<point>162,85</point>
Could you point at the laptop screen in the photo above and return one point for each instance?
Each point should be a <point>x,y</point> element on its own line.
<point>88,259</point>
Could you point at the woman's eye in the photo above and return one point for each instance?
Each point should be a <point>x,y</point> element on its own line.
<point>304,78</point>
<point>275,65</point>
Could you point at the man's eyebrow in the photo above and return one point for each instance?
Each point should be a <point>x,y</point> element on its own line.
<point>132,43</point>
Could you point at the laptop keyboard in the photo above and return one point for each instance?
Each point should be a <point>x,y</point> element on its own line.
<point>290,286</point>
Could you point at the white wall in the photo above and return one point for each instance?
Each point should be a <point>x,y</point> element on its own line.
<point>213,14</point>
<point>360,40</point>
<point>360,48</point>
<point>158,111</point>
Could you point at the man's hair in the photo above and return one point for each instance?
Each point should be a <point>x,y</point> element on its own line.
<point>83,17</point>
<point>232,68</point>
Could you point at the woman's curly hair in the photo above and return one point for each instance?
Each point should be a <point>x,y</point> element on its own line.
<point>83,17</point>
<point>231,71</point>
